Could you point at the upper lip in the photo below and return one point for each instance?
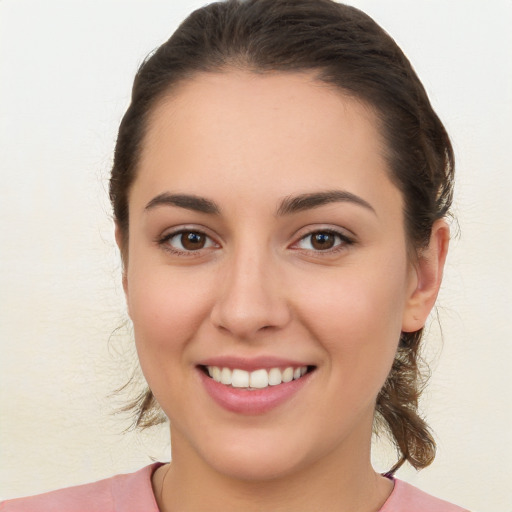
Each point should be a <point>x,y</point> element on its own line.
<point>253,363</point>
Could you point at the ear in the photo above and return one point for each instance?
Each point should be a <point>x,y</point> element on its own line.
<point>425,279</point>
<point>121,244</point>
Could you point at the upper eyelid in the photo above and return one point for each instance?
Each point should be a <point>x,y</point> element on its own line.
<point>176,230</point>
<point>347,239</point>
<point>168,234</point>
<point>343,238</point>
<point>309,230</point>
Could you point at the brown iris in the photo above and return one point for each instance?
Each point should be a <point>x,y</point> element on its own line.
<point>192,240</point>
<point>323,240</point>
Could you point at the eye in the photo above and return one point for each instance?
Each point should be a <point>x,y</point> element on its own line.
<point>323,241</point>
<point>187,241</point>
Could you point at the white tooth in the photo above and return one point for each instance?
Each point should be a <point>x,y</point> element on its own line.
<point>303,370</point>
<point>288,374</point>
<point>225,376</point>
<point>210,371</point>
<point>296,373</point>
<point>240,379</point>
<point>274,376</point>
<point>216,373</point>
<point>259,379</point>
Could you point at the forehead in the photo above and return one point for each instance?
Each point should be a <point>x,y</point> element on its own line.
<point>240,129</point>
<point>294,104</point>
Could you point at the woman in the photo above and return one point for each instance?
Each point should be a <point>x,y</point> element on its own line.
<point>279,188</point>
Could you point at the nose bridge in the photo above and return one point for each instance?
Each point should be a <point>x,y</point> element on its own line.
<point>250,298</point>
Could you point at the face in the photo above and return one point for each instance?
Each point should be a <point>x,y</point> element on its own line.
<point>266,244</point>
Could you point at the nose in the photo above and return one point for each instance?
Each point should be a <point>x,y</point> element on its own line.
<point>251,297</point>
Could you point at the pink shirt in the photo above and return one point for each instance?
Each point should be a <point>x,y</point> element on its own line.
<point>133,493</point>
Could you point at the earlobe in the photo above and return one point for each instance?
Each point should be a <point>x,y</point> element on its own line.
<point>428,274</point>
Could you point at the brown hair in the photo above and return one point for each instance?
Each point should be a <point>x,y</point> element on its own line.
<point>344,47</point>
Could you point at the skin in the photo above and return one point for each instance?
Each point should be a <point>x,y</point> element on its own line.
<point>259,287</point>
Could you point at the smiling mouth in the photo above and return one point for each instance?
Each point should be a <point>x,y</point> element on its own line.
<point>257,379</point>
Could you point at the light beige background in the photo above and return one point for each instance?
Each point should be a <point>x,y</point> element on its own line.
<point>65,75</point>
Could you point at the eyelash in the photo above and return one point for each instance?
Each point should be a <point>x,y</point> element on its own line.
<point>343,242</point>
<point>165,242</point>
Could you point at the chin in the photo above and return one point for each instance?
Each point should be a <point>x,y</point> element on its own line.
<point>256,459</point>
<point>256,468</point>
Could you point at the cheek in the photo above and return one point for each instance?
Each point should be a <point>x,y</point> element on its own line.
<point>355,305</point>
<point>357,317</point>
<point>166,309</point>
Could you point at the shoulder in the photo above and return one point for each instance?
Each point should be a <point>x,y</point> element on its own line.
<point>407,498</point>
<point>129,492</point>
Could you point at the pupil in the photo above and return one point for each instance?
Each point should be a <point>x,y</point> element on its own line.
<point>192,241</point>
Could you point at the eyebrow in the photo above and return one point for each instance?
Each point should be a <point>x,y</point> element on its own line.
<point>288,206</point>
<point>312,200</point>
<point>189,202</point>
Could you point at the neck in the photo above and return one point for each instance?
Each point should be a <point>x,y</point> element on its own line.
<point>345,483</point>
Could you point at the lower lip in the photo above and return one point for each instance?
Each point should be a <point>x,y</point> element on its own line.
<point>257,401</point>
